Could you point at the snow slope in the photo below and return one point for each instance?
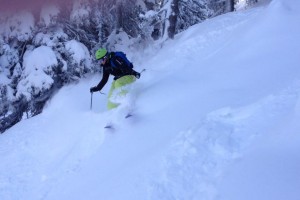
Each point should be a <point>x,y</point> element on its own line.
<point>215,117</point>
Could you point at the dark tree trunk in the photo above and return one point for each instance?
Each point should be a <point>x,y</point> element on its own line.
<point>173,18</point>
<point>231,5</point>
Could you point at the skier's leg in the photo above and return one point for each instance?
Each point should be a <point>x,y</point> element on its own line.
<point>119,90</point>
<point>122,82</point>
<point>110,104</point>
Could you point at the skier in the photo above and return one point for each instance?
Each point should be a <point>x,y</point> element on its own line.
<point>116,64</point>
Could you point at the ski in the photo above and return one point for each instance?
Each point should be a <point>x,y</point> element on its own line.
<point>128,115</point>
<point>108,127</point>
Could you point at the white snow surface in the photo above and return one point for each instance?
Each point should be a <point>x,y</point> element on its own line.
<point>215,117</point>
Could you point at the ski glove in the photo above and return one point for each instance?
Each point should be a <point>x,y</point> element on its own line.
<point>93,89</point>
<point>137,75</point>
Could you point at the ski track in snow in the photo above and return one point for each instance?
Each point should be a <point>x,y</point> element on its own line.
<point>209,147</point>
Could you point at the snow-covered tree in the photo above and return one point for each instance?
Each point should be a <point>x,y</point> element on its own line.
<point>35,60</point>
<point>219,7</point>
<point>192,12</point>
<point>250,2</point>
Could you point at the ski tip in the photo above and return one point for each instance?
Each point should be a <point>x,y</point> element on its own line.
<point>108,127</point>
<point>128,115</point>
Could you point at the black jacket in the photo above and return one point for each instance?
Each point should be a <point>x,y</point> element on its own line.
<point>119,71</point>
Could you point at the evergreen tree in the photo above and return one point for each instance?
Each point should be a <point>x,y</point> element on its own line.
<point>192,12</point>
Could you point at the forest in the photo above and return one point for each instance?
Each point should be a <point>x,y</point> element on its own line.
<point>38,43</point>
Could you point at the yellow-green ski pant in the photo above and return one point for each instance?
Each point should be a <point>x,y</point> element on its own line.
<point>122,91</point>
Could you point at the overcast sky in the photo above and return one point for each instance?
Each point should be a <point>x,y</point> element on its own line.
<point>16,5</point>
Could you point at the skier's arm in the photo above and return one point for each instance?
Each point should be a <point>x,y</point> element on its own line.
<point>103,81</point>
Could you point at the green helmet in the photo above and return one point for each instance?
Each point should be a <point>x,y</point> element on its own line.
<point>100,53</point>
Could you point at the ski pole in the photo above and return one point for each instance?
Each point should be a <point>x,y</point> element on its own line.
<point>91,106</point>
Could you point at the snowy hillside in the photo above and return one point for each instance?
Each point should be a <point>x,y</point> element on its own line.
<point>216,117</point>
